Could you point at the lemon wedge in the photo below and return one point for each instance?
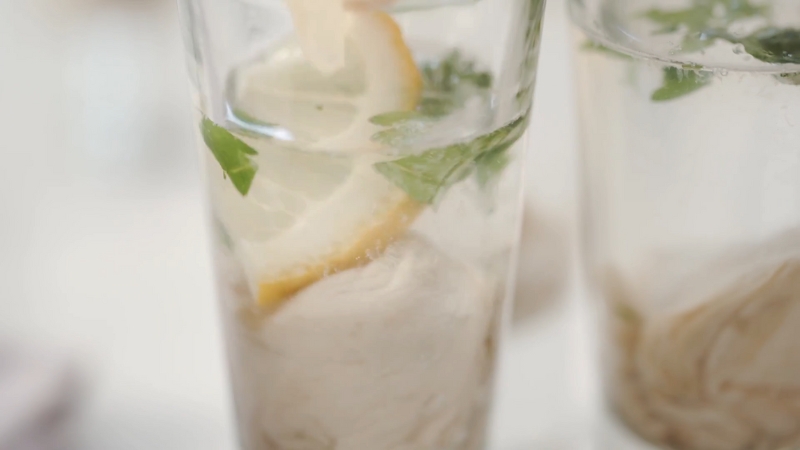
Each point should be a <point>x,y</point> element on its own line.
<point>321,28</point>
<point>297,227</point>
<point>330,111</point>
<point>309,214</point>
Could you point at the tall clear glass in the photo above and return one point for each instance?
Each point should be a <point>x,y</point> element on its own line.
<point>363,162</point>
<point>691,163</point>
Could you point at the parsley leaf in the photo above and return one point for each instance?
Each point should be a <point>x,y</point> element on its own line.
<point>702,24</point>
<point>232,154</point>
<point>789,78</point>
<point>489,165</point>
<point>704,21</point>
<point>694,18</point>
<point>774,45</point>
<point>600,48</point>
<point>396,117</point>
<point>453,72</point>
<point>427,175</point>
<point>704,15</point>
<point>447,85</point>
<point>679,82</point>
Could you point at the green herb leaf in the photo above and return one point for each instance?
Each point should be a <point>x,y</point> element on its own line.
<point>704,15</point>
<point>447,85</point>
<point>704,22</point>
<point>490,165</point>
<point>627,314</point>
<point>697,40</point>
<point>398,136</point>
<point>426,176</point>
<point>396,117</point>
<point>774,45</point>
<point>741,9</point>
<point>232,154</point>
<point>694,18</point>
<point>789,78</point>
<point>680,82</point>
<point>223,236</point>
<point>598,47</point>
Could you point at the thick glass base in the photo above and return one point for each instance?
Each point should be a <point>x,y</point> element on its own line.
<point>394,355</point>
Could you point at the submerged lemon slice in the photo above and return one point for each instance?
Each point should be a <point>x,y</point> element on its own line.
<point>310,213</point>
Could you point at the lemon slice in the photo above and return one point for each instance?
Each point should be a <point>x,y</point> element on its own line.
<point>320,27</point>
<point>331,111</point>
<point>309,214</point>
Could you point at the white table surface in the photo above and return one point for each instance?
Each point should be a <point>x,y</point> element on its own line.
<point>104,248</point>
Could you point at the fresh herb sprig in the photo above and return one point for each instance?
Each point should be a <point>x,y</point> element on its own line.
<point>448,85</point>
<point>232,154</point>
<point>703,24</point>
<point>702,21</point>
<point>772,45</point>
<point>593,46</point>
<point>679,82</point>
<point>426,176</point>
<point>709,20</point>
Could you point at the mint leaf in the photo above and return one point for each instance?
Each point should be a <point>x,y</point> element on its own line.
<point>680,82</point>
<point>425,177</point>
<point>232,154</point>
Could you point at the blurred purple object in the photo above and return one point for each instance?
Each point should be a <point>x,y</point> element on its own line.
<point>38,399</point>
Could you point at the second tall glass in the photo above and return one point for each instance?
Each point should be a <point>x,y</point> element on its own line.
<point>690,116</point>
<point>363,163</point>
